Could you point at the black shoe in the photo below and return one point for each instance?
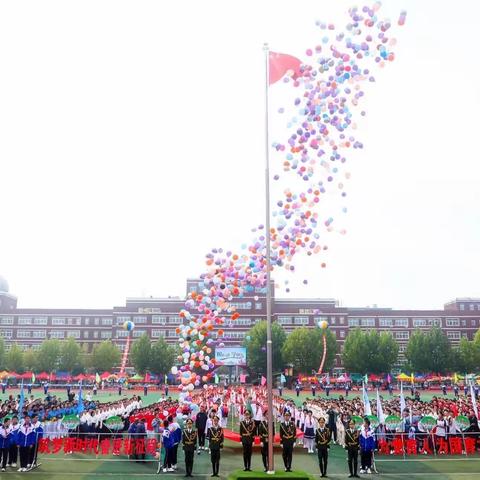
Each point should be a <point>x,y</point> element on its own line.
<point>350,476</point>
<point>245,469</point>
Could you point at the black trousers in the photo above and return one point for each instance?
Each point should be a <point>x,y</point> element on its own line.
<point>265,455</point>
<point>352,460</point>
<point>247,455</point>
<point>257,427</point>
<point>13,454</point>
<point>189,454</point>
<point>333,429</point>
<point>4,456</point>
<point>26,456</point>
<point>167,461</point>
<point>215,459</point>
<point>174,454</point>
<point>323,460</point>
<point>366,459</point>
<point>287,455</point>
<point>201,437</point>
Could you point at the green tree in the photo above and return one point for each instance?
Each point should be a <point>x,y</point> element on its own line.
<point>48,356</point>
<point>105,356</point>
<point>466,356</point>
<point>3,352</point>
<point>304,349</point>
<point>369,351</point>
<point>71,356</point>
<point>14,359</point>
<point>256,344</point>
<point>429,352</point>
<point>162,357</point>
<point>30,359</point>
<point>140,354</point>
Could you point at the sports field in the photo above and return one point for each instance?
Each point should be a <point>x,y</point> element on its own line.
<point>84,467</point>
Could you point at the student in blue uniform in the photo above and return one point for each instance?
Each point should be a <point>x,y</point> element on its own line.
<point>5,438</point>
<point>26,443</point>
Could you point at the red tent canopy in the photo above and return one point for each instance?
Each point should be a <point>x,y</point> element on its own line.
<point>105,375</point>
<point>80,376</point>
<point>25,376</point>
<point>43,376</point>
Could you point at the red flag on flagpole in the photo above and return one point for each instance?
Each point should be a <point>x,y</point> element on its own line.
<point>281,63</point>
<point>264,381</point>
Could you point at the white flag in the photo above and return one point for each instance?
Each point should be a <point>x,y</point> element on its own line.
<point>366,401</point>
<point>402,400</point>
<point>380,415</point>
<point>474,400</point>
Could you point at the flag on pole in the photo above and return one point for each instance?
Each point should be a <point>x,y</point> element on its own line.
<point>380,415</point>
<point>402,399</point>
<point>21,402</point>
<point>280,64</point>
<point>80,406</point>
<point>411,378</point>
<point>264,381</point>
<point>243,378</point>
<point>474,400</point>
<point>282,378</point>
<point>365,378</point>
<point>217,380</point>
<point>366,401</point>
<point>389,378</point>
<point>97,378</point>
<point>327,378</point>
<point>33,377</point>
<point>455,378</point>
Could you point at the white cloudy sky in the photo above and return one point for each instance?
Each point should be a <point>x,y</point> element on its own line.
<point>131,142</point>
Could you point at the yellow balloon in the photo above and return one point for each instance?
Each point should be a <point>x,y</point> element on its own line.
<point>323,324</point>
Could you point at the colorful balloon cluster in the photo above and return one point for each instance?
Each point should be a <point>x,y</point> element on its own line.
<point>320,137</point>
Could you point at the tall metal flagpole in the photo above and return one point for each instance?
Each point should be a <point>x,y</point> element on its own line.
<point>271,469</point>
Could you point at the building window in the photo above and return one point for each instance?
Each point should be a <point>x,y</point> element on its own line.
<point>57,334</point>
<point>452,322</point>
<point>106,334</point>
<point>342,333</point>
<point>242,321</point>
<point>40,320</point>
<point>462,306</point>
<point>419,322</point>
<point>300,320</point>
<point>241,305</point>
<point>97,321</point>
<point>282,320</point>
<point>39,334</point>
<point>175,319</point>
<point>368,322</point>
<point>139,319</point>
<point>342,319</point>
<point>332,320</point>
<point>402,335</point>
<point>24,320</point>
<point>87,321</point>
<point>474,322</point>
<point>258,306</point>
<point>123,319</point>
<point>6,321</point>
<point>159,319</point>
<point>158,333</point>
<point>58,321</point>
<point>437,322</point>
<point>95,334</point>
<point>401,322</point>
<point>237,335</point>
<point>317,320</point>
<point>353,322</point>
<point>6,333</point>
<point>106,321</point>
<point>171,333</point>
<point>138,333</point>
<point>73,333</point>
<point>402,348</point>
<point>453,335</point>
<point>386,322</point>
<point>464,322</point>
<point>85,334</point>
<point>122,333</point>
<point>472,307</point>
<point>24,334</point>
